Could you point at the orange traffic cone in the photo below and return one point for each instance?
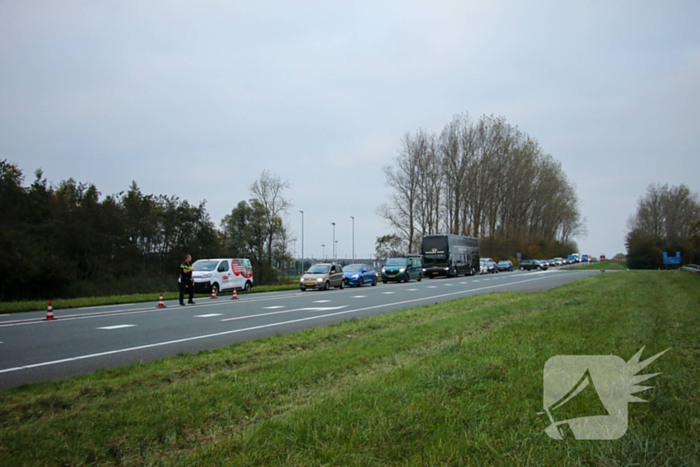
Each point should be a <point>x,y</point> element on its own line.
<point>234,296</point>
<point>213,292</point>
<point>49,311</point>
<point>161,303</point>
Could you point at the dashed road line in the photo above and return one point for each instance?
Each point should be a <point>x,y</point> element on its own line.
<point>237,331</point>
<point>273,307</point>
<point>210,315</point>
<point>118,326</point>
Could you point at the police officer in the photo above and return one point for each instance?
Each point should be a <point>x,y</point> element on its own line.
<point>186,280</point>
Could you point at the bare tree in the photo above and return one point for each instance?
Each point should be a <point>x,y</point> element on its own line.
<point>269,190</point>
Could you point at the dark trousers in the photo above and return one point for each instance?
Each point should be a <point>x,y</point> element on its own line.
<point>186,287</point>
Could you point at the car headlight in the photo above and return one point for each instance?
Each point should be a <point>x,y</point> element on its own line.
<point>402,270</point>
<point>319,279</point>
<point>355,276</point>
<point>383,270</point>
<point>205,276</point>
<point>302,279</point>
<point>446,269</point>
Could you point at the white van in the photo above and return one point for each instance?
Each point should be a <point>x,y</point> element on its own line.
<point>222,274</point>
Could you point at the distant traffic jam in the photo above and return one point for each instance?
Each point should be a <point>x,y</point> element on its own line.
<point>441,256</point>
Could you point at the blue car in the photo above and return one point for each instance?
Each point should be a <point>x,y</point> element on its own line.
<point>357,275</point>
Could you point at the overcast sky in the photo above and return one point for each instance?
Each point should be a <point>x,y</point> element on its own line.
<point>196,99</point>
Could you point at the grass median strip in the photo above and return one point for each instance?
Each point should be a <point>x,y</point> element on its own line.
<point>453,383</point>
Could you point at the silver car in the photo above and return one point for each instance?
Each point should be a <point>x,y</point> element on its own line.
<point>323,276</point>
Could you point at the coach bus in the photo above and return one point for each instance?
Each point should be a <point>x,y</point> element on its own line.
<point>449,255</point>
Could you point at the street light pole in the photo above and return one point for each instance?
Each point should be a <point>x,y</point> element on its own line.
<point>353,238</point>
<point>302,241</point>
<point>333,245</point>
<point>323,255</point>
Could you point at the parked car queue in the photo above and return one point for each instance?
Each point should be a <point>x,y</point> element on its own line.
<point>323,276</point>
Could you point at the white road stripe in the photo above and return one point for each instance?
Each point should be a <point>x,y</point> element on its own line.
<point>411,290</point>
<point>273,307</point>
<point>321,301</point>
<point>358,296</point>
<point>253,328</point>
<point>388,293</point>
<point>210,315</point>
<point>281,312</point>
<point>449,285</point>
<point>118,326</point>
<point>432,286</point>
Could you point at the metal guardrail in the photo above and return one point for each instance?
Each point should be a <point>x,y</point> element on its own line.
<point>692,268</point>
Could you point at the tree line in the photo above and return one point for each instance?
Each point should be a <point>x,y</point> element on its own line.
<point>67,240</point>
<point>667,219</point>
<point>482,178</point>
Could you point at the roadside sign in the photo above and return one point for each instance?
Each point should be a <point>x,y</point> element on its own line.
<point>519,257</point>
<point>672,260</point>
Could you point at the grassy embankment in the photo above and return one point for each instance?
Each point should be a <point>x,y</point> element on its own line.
<point>35,305</point>
<point>458,383</point>
<point>607,265</point>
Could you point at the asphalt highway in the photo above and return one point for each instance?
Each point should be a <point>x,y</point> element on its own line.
<point>83,340</point>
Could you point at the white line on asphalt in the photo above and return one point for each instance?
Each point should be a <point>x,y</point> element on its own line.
<point>477,280</point>
<point>105,306</point>
<point>487,279</point>
<point>281,312</point>
<point>150,309</point>
<point>449,285</point>
<point>432,286</point>
<point>411,290</point>
<point>321,301</point>
<point>358,296</point>
<point>273,307</point>
<point>462,283</point>
<point>210,315</point>
<point>237,331</point>
<point>388,293</point>
<point>118,326</point>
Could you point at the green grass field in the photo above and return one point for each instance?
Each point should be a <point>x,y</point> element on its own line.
<point>458,383</point>
<point>607,265</point>
<point>34,305</point>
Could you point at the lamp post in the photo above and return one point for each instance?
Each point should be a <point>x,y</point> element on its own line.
<point>333,245</point>
<point>323,255</point>
<point>302,241</point>
<point>336,248</point>
<point>353,238</point>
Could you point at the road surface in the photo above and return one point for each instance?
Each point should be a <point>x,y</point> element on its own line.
<point>82,340</point>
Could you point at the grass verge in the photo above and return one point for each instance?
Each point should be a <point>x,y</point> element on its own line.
<point>458,383</point>
<point>607,265</point>
<point>35,305</point>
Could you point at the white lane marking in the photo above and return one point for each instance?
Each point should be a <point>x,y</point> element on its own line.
<point>273,307</point>
<point>210,315</point>
<point>253,328</point>
<point>462,283</point>
<point>321,301</point>
<point>487,279</point>
<point>6,314</point>
<point>325,308</point>
<point>432,286</point>
<point>118,326</point>
<point>358,296</point>
<point>449,285</point>
<point>411,290</point>
<point>105,306</point>
<point>279,313</point>
<point>477,280</point>
<point>138,311</point>
<point>388,293</point>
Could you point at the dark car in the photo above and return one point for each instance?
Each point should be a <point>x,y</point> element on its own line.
<point>530,264</point>
<point>357,275</point>
<point>505,265</point>
<point>488,267</point>
<point>403,268</point>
